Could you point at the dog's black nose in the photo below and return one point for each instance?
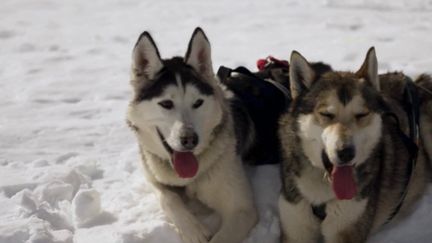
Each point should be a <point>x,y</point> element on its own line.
<point>189,141</point>
<point>346,154</point>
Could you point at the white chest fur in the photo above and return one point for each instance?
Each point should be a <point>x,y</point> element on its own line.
<point>314,186</point>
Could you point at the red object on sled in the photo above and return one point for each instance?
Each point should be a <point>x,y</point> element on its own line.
<point>262,63</point>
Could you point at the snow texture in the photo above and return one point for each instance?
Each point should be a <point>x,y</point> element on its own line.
<point>69,166</point>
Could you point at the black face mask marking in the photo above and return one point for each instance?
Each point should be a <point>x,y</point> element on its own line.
<point>167,76</point>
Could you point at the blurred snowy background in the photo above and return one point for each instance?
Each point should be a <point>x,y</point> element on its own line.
<point>69,167</point>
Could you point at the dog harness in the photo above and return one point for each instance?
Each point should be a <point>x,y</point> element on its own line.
<point>225,72</point>
<point>411,107</point>
<point>263,100</point>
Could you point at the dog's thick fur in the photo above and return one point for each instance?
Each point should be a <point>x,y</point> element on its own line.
<point>330,113</point>
<point>174,98</point>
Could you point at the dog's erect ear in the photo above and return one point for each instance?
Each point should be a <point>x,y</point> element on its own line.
<point>146,61</point>
<point>301,74</point>
<point>369,69</point>
<point>198,54</point>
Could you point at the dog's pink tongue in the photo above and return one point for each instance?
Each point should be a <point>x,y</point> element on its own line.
<point>185,164</point>
<point>343,182</point>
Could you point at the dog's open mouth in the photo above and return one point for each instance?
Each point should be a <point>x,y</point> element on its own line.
<point>342,179</point>
<point>184,162</point>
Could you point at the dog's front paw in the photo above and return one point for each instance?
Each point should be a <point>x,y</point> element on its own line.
<point>192,231</point>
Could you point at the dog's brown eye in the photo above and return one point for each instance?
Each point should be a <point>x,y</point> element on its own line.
<point>361,115</point>
<point>166,104</point>
<point>197,103</point>
<point>327,115</point>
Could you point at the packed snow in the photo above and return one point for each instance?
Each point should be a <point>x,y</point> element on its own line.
<point>69,165</point>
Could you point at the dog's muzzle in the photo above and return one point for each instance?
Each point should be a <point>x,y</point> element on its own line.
<point>185,162</point>
<point>188,139</point>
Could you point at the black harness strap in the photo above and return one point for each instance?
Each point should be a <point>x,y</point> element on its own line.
<point>223,73</point>
<point>411,107</point>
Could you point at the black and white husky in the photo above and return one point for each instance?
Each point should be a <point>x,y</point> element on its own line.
<point>184,125</point>
<point>346,167</point>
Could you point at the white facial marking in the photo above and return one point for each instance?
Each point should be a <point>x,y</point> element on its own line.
<point>332,142</point>
<point>310,134</point>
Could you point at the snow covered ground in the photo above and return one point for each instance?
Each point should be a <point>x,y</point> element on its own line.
<point>69,169</point>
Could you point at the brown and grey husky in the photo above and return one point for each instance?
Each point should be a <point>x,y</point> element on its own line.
<point>346,165</point>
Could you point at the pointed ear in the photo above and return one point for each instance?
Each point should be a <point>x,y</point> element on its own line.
<point>198,54</point>
<point>301,74</point>
<point>146,61</point>
<point>369,69</point>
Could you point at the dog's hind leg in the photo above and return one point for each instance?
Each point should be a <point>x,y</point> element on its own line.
<point>298,223</point>
<point>187,225</point>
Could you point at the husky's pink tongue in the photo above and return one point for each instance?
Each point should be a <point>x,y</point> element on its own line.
<point>343,182</point>
<point>185,164</point>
